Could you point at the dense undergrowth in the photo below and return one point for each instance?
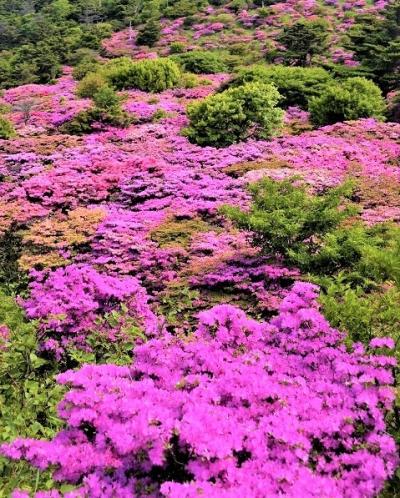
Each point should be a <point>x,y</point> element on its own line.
<point>199,249</point>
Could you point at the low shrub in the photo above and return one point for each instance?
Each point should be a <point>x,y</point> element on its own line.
<point>90,85</point>
<point>155,75</point>
<point>237,114</point>
<point>106,110</point>
<point>6,128</point>
<point>353,99</point>
<point>85,67</point>
<point>308,231</point>
<point>199,62</point>
<point>177,48</point>
<point>284,215</point>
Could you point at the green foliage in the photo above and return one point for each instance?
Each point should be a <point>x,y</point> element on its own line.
<point>6,128</point>
<point>178,305</point>
<point>150,33</point>
<point>284,218</point>
<point>308,231</point>
<point>353,99</point>
<point>304,40</point>
<point>107,110</point>
<point>12,279</point>
<point>28,396</point>
<point>296,84</point>
<point>181,8</point>
<point>343,72</point>
<point>370,255</point>
<point>376,43</point>
<point>154,75</point>
<point>236,114</point>
<point>90,85</point>
<point>85,67</point>
<point>199,62</point>
<point>364,316</point>
<point>177,48</point>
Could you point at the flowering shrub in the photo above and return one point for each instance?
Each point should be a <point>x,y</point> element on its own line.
<point>68,301</point>
<point>285,394</point>
<point>201,62</point>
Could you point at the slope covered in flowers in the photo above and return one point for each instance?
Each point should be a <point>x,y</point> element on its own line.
<point>192,362</point>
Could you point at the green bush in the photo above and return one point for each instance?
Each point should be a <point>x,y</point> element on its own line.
<point>181,8</point>
<point>284,217</point>
<point>150,75</point>
<point>308,231</point>
<point>353,99</point>
<point>296,84</point>
<point>90,85</point>
<point>85,67</point>
<point>6,128</point>
<point>303,40</point>
<point>107,110</point>
<point>363,315</point>
<point>150,33</point>
<point>234,115</point>
<point>28,396</point>
<point>199,62</point>
<point>177,48</point>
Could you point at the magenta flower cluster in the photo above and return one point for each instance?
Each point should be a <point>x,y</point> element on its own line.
<point>242,408</point>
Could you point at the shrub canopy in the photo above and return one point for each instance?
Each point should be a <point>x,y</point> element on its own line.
<point>234,115</point>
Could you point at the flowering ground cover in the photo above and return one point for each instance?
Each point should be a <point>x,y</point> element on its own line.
<point>148,346</point>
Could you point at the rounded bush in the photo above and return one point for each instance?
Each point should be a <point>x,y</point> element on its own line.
<point>199,62</point>
<point>6,128</point>
<point>296,84</point>
<point>237,114</point>
<point>355,98</point>
<point>90,85</point>
<point>150,75</point>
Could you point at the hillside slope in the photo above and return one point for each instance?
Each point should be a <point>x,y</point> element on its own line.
<point>201,350</point>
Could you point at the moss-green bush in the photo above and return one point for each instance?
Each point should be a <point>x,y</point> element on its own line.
<point>90,85</point>
<point>307,231</point>
<point>296,84</point>
<point>6,128</point>
<point>353,99</point>
<point>199,62</point>
<point>284,218</point>
<point>106,110</point>
<point>237,114</point>
<point>85,67</point>
<point>155,75</point>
